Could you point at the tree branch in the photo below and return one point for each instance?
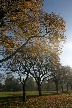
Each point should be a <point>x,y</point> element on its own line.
<point>11,55</point>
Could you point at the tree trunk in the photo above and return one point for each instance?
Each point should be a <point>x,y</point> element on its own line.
<point>39,89</point>
<point>24,94</point>
<point>56,83</point>
<point>67,87</point>
<point>71,87</point>
<point>48,87</point>
<point>39,86</point>
<point>62,88</point>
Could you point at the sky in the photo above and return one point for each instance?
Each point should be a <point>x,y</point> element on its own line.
<point>64,9</point>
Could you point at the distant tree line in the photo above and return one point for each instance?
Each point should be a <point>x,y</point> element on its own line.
<point>13,84</point>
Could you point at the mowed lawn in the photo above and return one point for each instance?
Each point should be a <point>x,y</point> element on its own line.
<point>28,93</point>
<point>51,100</point>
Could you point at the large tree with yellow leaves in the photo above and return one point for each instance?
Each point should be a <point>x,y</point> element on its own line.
<point>33,30</point>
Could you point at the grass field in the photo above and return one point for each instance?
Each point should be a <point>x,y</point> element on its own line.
<point>28,93</point>
<point>50,100</point>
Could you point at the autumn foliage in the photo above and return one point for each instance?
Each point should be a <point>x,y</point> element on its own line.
<point>33,30</point>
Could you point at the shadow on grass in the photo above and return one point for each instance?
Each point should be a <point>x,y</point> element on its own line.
<point>18,98</point>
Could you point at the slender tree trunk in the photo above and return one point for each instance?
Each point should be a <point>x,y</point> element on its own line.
<point>48,87</point>
<point>24,94</point>
<point>62,88</point>
<point>56,83</point>
<point>71,87</point>
<point>67,87</point>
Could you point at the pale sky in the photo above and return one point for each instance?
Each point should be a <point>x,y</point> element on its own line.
<point>64,8</point>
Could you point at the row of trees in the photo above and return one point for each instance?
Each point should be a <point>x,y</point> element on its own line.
<point>64,82</point>
<point>41,69</point>
<point>13,84</point>
<point>36,41</point>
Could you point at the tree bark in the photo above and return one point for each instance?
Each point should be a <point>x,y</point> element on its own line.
<point>67,87</point>
<point>39,89</point>
<point>39,86</point>
<point>62,88</point>
<point>24,94</point>
<point>56,83</point>
<point>71,87</point>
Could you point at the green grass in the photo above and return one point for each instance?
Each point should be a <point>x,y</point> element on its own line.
<point>14,99</point>
<point>5,94</point>
<point>12,96</point>
<point>51,101</point>
<point>28,93</point>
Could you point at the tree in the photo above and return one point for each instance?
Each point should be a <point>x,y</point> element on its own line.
<point>9,7</point>
<point>40,70</point>
<point>20,65</point>
<point>62,77</point>
<point>56,74</point>
<point>1,87</point>
<point>31,27</point>
<point>20,16</point>
<point>65,78</point>
<point>68,76</point>
<point>2,78</point>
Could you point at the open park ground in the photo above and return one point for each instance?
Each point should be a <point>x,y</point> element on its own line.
<point>48,100</point>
